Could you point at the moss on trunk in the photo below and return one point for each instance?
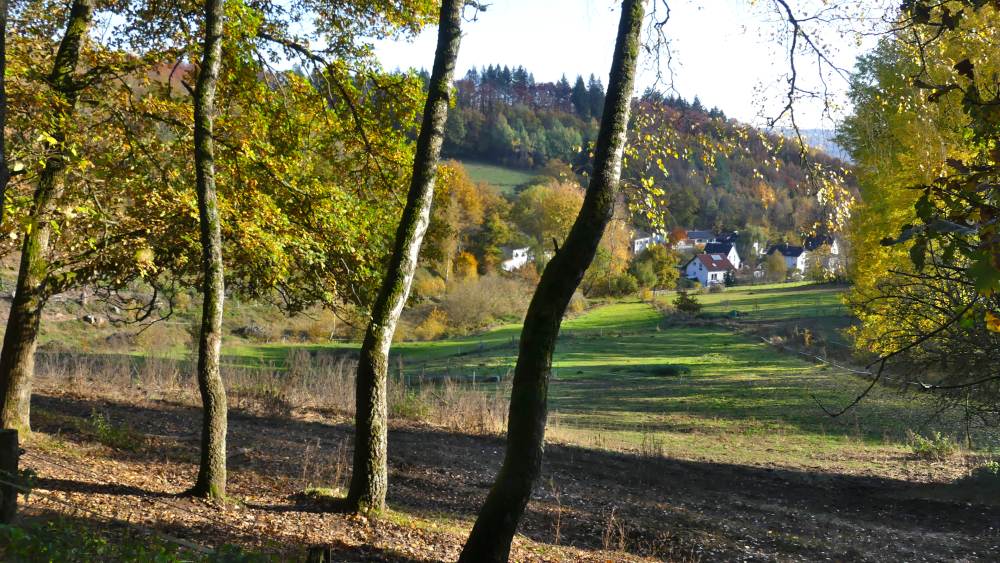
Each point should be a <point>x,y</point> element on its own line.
<point>494,529</point>
<point>211,480</point>
<point>17,359</point>
<point>369,479</point>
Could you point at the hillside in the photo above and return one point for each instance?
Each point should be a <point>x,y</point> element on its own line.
<point>716,172</point>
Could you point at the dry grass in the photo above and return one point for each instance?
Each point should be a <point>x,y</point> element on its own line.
<point>306,381</point>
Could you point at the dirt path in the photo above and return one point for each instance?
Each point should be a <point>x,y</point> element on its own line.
<point>640,508</point>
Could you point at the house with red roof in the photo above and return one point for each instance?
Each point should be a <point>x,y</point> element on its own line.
<point>709,269</point>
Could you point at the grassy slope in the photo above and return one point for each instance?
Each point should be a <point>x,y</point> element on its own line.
<point>505,179</point>
<point>743,401</point>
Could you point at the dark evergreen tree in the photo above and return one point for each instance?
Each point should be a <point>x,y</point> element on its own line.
<point>595,96</point>
<point>580,98</point>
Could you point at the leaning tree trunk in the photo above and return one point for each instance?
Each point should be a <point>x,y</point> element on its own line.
<point>212,470</point>
<point>494,529</point>
<point>17,359</point>
<point>369,479</point>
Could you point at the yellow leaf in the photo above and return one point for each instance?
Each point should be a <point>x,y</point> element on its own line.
<point>992,322</point>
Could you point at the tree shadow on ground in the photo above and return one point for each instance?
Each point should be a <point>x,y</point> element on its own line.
<point>658,507</point>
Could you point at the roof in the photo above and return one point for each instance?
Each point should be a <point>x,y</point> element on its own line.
<point>714,262</point>
<point>700,234</point>
<point>786,250</point>
<point>722,248</point>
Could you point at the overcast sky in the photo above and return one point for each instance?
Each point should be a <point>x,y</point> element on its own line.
<point>725,51</point>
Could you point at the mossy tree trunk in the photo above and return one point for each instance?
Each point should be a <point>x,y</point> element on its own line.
<point>211,480</point>
<point>17,359</point>
<point>494,529</point>
<point>369,479</point>
<point>4,166</point>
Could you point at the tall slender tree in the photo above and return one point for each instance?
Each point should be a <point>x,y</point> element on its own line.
<point>494,528</point>
<point>211,480</point>
<point>17,360</point>
<point>4,167</point>
<point>369,480</point>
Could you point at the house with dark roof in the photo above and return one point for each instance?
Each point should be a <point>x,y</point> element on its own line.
<point>795,256</point>
<point>695,239</point>
<point>709,269</point>
<point>727,249</point>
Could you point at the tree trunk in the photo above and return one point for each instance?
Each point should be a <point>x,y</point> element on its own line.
<point>4,166</point>
<point>370,474</point>
<point>17,359</point>
<point>498,519</point>
<point>212,470</point>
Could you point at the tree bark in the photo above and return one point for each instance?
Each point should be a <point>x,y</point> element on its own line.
<point>4,166</point>
<point>369,479</point>
<point>211,480</point>
<point>17,359</point>
<point>494,529</point>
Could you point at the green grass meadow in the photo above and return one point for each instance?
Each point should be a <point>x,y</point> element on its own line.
<point>505,179</point>
<point>741,402</point>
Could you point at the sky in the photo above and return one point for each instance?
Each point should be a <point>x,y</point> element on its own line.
<point>726,52</point>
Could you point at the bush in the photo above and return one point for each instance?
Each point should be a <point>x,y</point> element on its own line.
<point>936,447</point>
<point>434,326</point>
<point>472,304</point>
<point>119,437</point>
<point>688,304</point>
<point>577,304</point>
<point>716,288</point>
<point>426,285</point>
<point>623,284</point>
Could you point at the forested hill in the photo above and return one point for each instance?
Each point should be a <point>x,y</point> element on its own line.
<point>719,173</point>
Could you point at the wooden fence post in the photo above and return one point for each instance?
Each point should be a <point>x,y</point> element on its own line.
<point>9,454</point>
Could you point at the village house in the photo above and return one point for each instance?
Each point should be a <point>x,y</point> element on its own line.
<point>695,239</point>
<point>708,269</point>
<point>795,256</point>
<point>644,241</point>
<point>515,258</point>
<point>727,249</point>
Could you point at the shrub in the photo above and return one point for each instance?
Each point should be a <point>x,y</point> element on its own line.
<point>716,288</point>
<point>120,437</point>
<point>686,303</point>
<point>577,304</point>
<point>471,304</point>
<point>434,326</point>
<point>936,447</point>
<point>427,285</point>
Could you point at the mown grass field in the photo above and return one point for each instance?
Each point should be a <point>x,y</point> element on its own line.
<point>742,402</point>
<point>505,179</point>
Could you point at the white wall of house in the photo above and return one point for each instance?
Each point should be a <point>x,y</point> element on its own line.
<point>734,257</point>
<point>518,258</point>
<point>640,244</point>
<point>695,270</point>
<point>797,262</point>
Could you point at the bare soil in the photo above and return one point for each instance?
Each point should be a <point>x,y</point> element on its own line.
<point>603,505</point>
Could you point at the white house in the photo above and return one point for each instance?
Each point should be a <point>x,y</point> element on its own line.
<point>515,258</point>
<point>726,249</point>
<point>795,256</point>
<point>831,262</point>
<point>643,242</point>
<point>709,269</point>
